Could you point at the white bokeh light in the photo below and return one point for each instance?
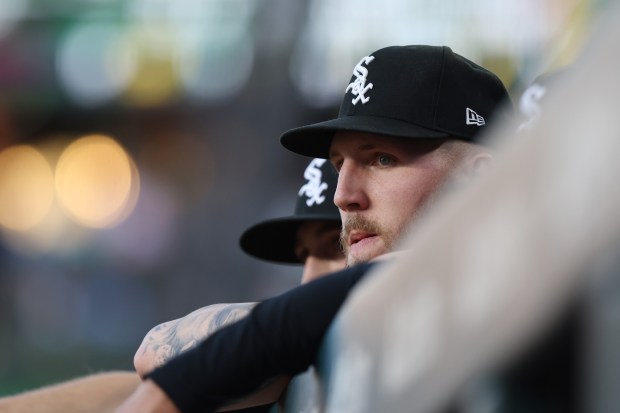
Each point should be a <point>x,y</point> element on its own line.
<point>95,63</point>
<point>11,12</point>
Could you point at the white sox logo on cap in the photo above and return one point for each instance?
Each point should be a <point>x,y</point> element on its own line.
<point>529,104</point>
<point>315,185</point>
<point>359,87</point>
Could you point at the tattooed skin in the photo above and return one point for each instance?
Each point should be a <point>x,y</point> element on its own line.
<point>171,338</point>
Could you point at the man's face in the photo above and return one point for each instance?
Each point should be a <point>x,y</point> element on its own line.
<point>318,247</point>
<point>383,184</point>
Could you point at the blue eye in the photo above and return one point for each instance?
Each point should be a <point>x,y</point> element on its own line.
<point>384,160</point>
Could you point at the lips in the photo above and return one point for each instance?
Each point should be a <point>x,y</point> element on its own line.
<point>356,237</point>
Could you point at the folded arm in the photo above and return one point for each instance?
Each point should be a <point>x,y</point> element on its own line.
<point>169,339</point>
<point>281,336</point>
<point>97,393</point>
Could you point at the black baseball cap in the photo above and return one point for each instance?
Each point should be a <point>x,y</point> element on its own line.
<point>409,92</point>
<point>274,239</point>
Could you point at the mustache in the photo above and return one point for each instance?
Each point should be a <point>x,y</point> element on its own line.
<point>357,223</point>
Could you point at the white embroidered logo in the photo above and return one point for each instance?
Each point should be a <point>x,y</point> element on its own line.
<point>472,118</point>
<point>314,187</point>
<point>359,87</point>
<point>529,104</point>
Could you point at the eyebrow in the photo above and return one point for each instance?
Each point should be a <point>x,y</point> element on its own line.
<point>361,147</point>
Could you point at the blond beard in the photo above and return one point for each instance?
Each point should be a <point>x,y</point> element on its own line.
<point>357,222</point>
<point>362,224</point>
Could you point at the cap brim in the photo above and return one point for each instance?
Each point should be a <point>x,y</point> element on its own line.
<point>274,240</point>
<point>314,140</point>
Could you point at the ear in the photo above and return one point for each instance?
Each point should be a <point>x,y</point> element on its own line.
<point>470,168</point>
<point>477,165</point>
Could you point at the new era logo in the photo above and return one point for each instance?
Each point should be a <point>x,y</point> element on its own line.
<point>472,118</point>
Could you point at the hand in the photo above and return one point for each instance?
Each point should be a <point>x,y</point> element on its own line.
<point>148,398</point>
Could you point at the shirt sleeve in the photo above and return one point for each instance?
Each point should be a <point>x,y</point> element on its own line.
<point>281,335</point>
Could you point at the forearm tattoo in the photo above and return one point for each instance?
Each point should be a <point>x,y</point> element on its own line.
<point>171,338</point>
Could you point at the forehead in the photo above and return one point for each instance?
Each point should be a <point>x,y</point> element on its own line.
<point>349,143</point>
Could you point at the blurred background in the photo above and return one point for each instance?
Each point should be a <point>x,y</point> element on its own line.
<point>139,139</point>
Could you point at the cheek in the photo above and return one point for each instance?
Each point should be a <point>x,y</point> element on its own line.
<point>393,209</point>
<point>408,201</point>
<point>405,210</point>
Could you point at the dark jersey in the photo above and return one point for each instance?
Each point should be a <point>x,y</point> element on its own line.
<point>281,336</point>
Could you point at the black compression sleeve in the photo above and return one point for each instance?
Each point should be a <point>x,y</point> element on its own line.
<point>282,335</point>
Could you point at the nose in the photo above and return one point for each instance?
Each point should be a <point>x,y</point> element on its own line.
<point>316,267</point>
<point>350,192</point>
